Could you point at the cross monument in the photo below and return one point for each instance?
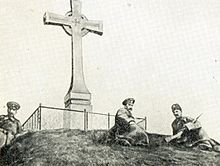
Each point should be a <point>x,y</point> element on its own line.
<point>76,25</point>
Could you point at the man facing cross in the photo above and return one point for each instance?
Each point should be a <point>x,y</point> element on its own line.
<point>76,25</point>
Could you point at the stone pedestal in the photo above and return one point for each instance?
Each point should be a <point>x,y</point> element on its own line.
<point>78,102</point>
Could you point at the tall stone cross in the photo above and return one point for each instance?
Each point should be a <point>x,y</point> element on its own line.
<point>76,25</point>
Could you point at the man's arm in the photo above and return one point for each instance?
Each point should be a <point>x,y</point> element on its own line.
<point>190,124</point>
<point>176,133</point>
<point>172,137</point>
<point>19,127</point>
<point>2,117</point>
<point>174,128</point>
<point>20,130</point>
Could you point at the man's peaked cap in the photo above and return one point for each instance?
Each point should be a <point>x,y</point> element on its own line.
<point>176,107</point>
<point>126,101</point>
<point>13,105</point>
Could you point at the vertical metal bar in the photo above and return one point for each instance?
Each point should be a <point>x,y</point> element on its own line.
<point>35,121</point>
<point>87,120</point>
<point>108,120</point>
<point>145,123</point>
<point>84,119</point>
<point>32,122</point>
<point>40,116</point>
<point>84,115</point>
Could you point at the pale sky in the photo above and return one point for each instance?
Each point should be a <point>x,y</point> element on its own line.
<point>158,51</point>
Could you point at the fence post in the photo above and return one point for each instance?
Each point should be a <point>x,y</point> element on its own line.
<point>40,116</point>
<point>37,118</point>
<point>85,120</point>
<point>35,123</point>
<point>32,123</point>
<point>145,123</point>
<point>108,120</point>
<point>84,116</point>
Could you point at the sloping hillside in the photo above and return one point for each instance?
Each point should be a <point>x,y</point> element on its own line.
<point>75,147</point>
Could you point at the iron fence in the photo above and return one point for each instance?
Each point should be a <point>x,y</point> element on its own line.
<point>34,121</point>
<point>45,117</point>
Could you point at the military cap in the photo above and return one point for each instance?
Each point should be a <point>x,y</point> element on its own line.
<point>176,107</point>
<point>13,105</point>
<point>125,102</point>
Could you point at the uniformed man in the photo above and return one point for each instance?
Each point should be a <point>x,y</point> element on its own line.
<point>126,129</point>
<point>189,132</point>
<point>10,127</point>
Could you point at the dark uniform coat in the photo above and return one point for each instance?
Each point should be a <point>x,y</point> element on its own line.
<point>126,128</point>
<point>9,127</point>
<point>193,133</point>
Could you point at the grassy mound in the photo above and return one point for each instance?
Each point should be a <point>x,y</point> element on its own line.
<point>74,147</point>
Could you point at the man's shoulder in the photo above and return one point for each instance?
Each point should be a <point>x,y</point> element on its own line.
<point>174,122</point>
<point>16,120</point>
<point>187,119</point>
<point>3,117</point>
<point>122,110</point>
<point>183,119</point>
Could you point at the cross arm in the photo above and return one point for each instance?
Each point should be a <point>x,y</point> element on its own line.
<point>56,19</point>
<point>94,26</point>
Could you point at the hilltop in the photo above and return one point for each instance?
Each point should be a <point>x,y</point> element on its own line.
<point>75,147</point>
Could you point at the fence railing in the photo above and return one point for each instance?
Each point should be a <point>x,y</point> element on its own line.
<point>45,117</point>
<point>34,121</point>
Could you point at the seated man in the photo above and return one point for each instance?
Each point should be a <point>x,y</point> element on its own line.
<point>125,130</point>
<point>10,127</point>
<point>189,132</point>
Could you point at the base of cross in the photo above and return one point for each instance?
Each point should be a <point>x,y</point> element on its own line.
<point>77,98</point>
<point>80,103</point>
